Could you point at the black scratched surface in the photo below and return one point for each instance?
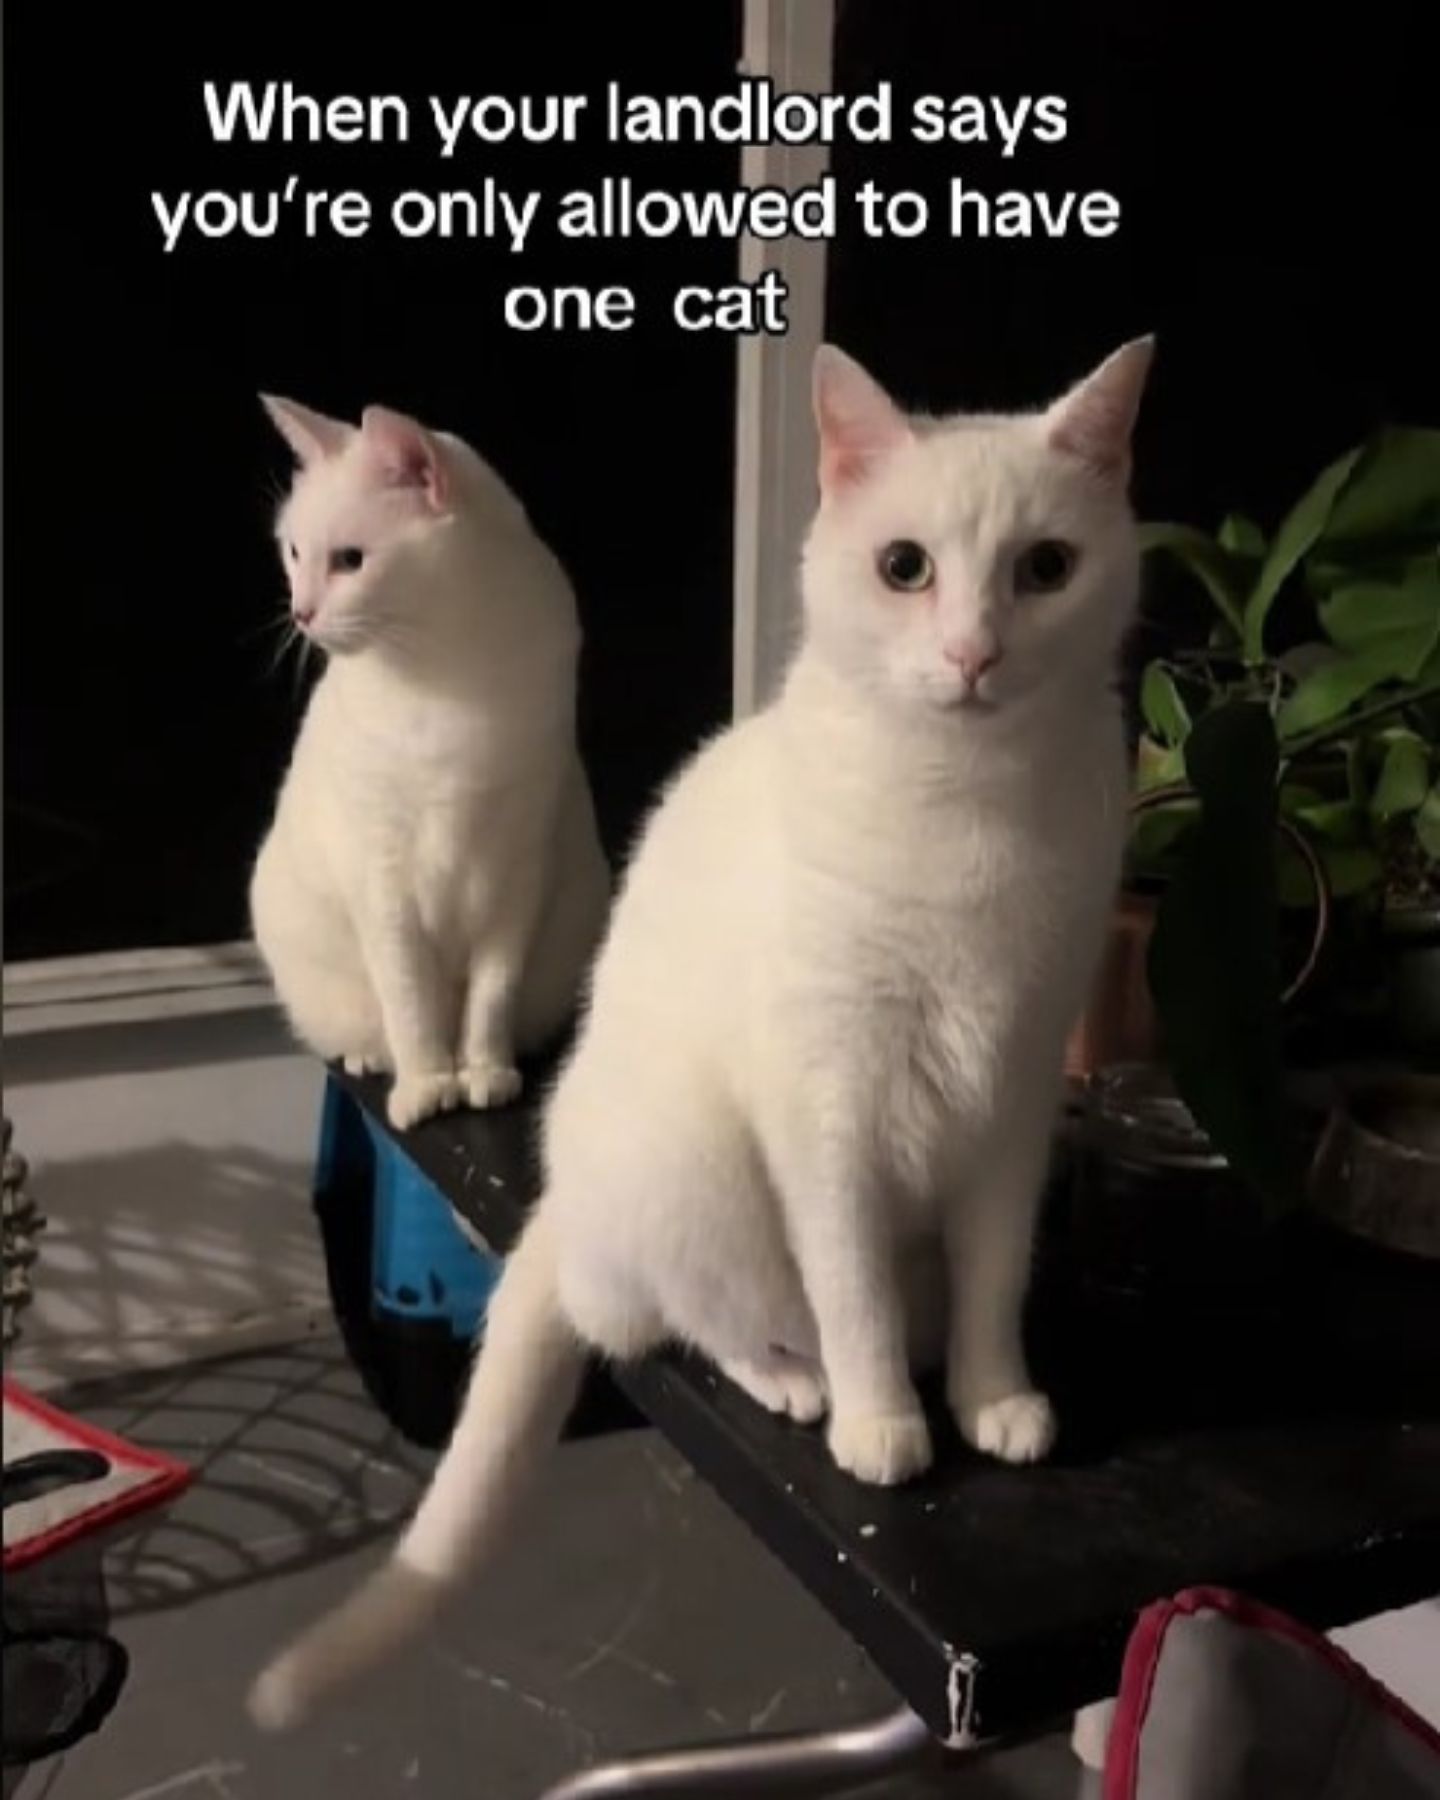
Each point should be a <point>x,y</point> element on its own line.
<point>1289,1448</point>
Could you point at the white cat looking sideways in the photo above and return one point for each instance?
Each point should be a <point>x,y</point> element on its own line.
<point>432,887</point>
<point>821,1063</point>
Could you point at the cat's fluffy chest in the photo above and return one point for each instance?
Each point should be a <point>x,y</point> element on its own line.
<point>421,743</point>
<point>950,901</point>
<point>938,947</point>
<point>942,982</point>
<point>440,848</point>
<point>416,797</point>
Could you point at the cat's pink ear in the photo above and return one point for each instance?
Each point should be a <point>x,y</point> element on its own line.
<point>309,434</point>
<point>1096,419</point>
<point>858,422</point>
<point>406,454</point>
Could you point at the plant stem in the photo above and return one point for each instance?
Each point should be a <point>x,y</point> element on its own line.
<point>1348,722</point>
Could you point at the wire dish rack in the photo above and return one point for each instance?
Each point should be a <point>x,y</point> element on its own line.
<point>23,1223</point>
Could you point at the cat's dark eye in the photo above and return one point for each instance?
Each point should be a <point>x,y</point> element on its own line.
<point>906,566</point>
<point>292,553</point>
<point>347,560</point>
<point>1045,567</point>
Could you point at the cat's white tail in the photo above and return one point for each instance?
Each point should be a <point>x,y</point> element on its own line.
<point>520,1392</point>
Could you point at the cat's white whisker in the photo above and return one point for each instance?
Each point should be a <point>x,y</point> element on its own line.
<point>282,648</point>
<point>267,626</point>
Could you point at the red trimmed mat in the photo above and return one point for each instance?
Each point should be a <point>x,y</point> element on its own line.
<point>98,1479</point>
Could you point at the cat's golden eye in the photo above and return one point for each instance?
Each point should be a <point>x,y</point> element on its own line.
<point>906,566</point>
<point>1045,567</point>
<point>346,561</point>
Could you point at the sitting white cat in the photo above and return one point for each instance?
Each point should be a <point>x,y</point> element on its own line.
<point>432,888</point>
<point>823,1055</point>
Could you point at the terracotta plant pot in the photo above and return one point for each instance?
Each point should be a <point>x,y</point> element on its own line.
<point>1119,1024</point>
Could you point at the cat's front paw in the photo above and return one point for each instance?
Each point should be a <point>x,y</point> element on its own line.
<point>883,1448</point>
<point>486,1083</point>
<point>416,1097</point>
<point>1018,1429</point>
<point>784,1385</point>
<point>364,1065</point>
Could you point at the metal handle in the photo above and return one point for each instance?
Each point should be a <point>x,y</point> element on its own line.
<point>809,1762</point>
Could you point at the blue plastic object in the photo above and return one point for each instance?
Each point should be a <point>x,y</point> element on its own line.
<point>423,1267</point>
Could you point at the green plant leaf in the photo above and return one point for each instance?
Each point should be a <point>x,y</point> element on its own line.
<point>1394,496</point>
<point>1400,622</point>
<point>1318,779</point>
<point>1156,766</point>
<point>1332,691</point>
<point>1223,578</point>
<point>1241,537</point>
<point>1165,711</point>
<point>1404,776</point>
<point>1295,887</point>
<point>1334,821</point>
<point>1154,834</point>
<point>1427,824</point>
<point>1302,660</point>
<point>1357,776</point>
<point>1366,565</point>
<point>1300,529</point>
<point>1350,869</point>
<point>1214,959</point>
<point>1294,795</point>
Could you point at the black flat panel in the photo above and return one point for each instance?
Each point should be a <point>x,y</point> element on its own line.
<point>1291,1450</point>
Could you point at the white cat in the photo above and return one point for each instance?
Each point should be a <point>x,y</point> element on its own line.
<point>822,1058</point>
<point>433,887</point>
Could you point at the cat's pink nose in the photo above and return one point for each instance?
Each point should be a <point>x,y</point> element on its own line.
<point>973,657</point>
<point>305,615</point>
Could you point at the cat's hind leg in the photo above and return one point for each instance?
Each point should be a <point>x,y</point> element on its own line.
<point>673,1234</point>
<point>314,961</point>
<point>609,1307</point>
<point>336,1014</point>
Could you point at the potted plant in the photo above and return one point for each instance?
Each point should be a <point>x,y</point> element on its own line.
<point>1352,682</point>
<point>1308,719</point>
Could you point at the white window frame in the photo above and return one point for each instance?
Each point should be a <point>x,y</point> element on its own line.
<point>791,42</point>
<point>133,987</point>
